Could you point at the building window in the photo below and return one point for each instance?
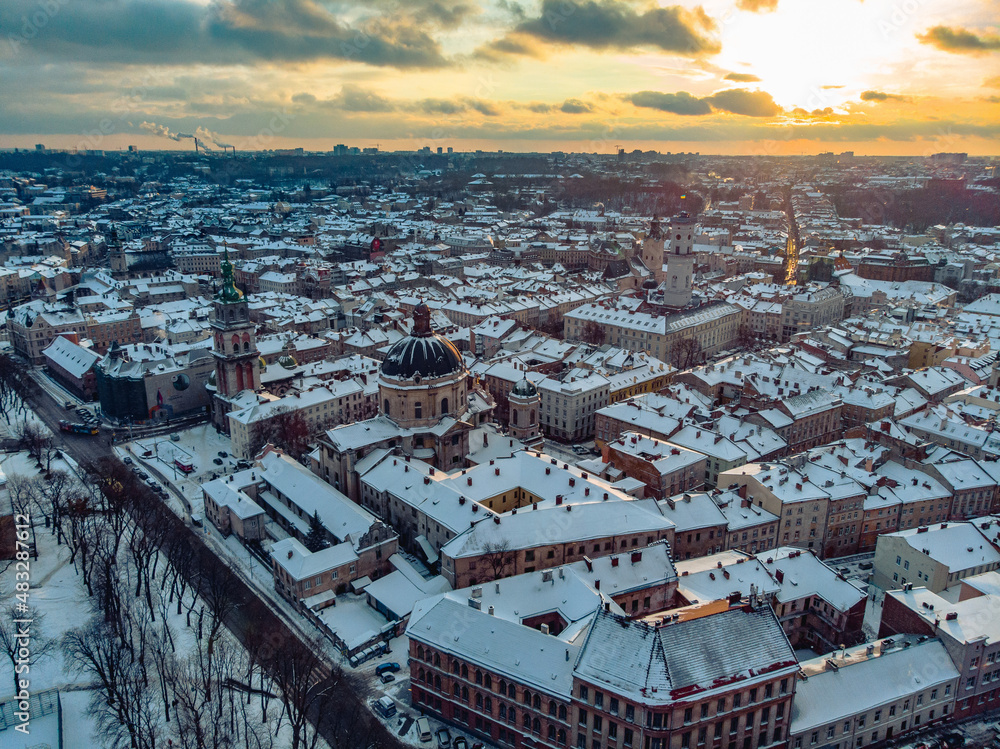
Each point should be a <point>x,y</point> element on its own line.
<point>418,410</point>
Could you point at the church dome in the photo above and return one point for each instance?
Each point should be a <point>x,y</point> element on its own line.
<point>424,353</point>
<point>524,389</point>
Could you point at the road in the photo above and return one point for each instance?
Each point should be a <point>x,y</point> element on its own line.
<point>250,614</point>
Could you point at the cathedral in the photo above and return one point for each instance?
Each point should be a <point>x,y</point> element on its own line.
<point>428,409</point>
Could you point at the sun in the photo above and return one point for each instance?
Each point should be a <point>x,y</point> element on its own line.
<point>806,48</point>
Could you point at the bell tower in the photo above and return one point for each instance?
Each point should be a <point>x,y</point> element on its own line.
<point>235,346</point>
<point>679,247</point>
<point>523,402</point>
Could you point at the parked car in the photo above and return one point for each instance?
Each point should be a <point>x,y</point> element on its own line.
<point>175,438</point>
<point>143,475</point>
<point>127,460</point>
<point>865,565</point>
<point>444,738</point>
<point>217,461</point>
<point>69,405</point>
<point>388,677</point>
<point>385,668</point>
<point>424,729</point>
<point>385,707</point>
<point>223,454</point>
<point>460,743</point>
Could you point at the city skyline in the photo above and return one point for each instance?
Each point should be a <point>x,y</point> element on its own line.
<point>766,77</point>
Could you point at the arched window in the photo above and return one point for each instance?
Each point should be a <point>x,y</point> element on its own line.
<point>562,736</point>
<point>465,671</point>
<point>465,694</point>
<point>536,726</point>
<point>552,733</point>
<point>552,707</point>
<point>488,705</point>
<point>526,722</point>
<point>437,682</point>
<point>512,716</point>
<point>246,347</point>
<point>503,711</point>
<point>420,652</point>
<point>421,677</point>
<point>532,417</point>
<point>562,712</point>
<point>513,416</point>
<point>239,378</point>
<point>479,676</point>
<point>488,682</point>
<point>418,410</point>
<point>526,697</point>
<point>454,667</point>
<point>444,406</point>
<point>456,689</point>
<point>236,343</point>
<point>437,660</point>
<point>479,701</point>
<point>386,409</point>
<point>503,688</point>
<point>536,702</point>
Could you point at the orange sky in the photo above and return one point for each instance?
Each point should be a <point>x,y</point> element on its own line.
<point>728,76</point>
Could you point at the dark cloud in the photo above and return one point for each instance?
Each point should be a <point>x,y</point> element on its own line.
<point>881,96</point>
<point>742,78</point>
<point>992,82</point>
<point>803,113</point>
<point>757,6</point>
<point>735,100</point>
<point>184,32</point>
<point>959,40</point>
<point>575,106</point>
<point>992,99</point>
<point>356,99</point>
<point>457,106</point>
<point>303,98</point>
<point>610,24</point>
<point>680,103</point>
<point>741,101</point>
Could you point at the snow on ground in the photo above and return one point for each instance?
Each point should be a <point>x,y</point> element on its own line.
<point>57,592</point>
<point>13,419</point>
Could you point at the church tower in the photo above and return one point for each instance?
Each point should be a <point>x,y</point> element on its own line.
<point>651,252</point>
<point>679,247</point>
<point>116,254</point>
<point>235,347</point>
<point>523,402</point>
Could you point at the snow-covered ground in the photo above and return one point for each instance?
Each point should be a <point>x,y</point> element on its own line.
<point>57,592</point>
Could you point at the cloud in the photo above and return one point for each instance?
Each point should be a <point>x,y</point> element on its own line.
<point>992,82</point>
<point>575,106</point>
<point>734,100</point>
<point>355,99</point>
<point>609,25</point>
<point>748,103</point>
<point>832,87</point>
<point>303,98</point>
<point>742,77</point>
<point>958,40</point>
<point>457,106</point>
<point>757,6</point>
<point>881,96</point>
<point>680,103</point>
<point>240,32</point>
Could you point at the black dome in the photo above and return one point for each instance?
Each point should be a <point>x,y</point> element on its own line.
<point>424,355</point>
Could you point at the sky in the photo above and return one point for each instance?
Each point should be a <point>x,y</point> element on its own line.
<point>769,77</point>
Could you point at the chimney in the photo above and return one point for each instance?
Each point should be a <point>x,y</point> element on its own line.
<point>636,556</point>
<point>614,561</point>
<point>545,629</point>
<point>289,554</point>
<point>490,610</point>
<point>779,576</point>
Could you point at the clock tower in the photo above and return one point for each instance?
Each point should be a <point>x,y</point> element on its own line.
<point>237,361</point>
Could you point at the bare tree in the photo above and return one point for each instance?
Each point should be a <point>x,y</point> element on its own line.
<point>123,706</point>
<point>307,690</point>
<point>593,333</point>
<point>499,556</point>
<point>21,623</point>
<point>685,353</point>
<point>286,428</point>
